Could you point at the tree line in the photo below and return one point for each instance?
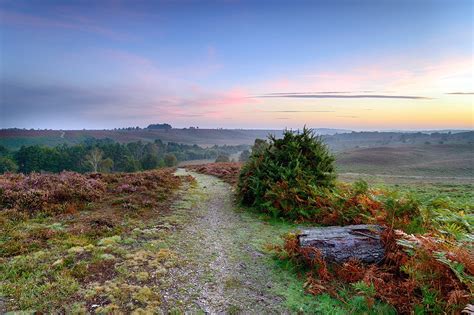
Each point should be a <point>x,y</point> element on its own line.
<point>106,155</point>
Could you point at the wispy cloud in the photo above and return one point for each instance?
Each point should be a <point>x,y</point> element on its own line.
<point>318,92</point>
<point>70,23</point>
<point>347,116</point>
<point>461,93</point>
<point>299,111</point>
<point>334,95</point>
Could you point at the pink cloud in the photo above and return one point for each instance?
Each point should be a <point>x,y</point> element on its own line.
<point>392,75</point>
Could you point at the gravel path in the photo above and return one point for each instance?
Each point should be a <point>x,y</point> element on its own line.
<point>220,270</point>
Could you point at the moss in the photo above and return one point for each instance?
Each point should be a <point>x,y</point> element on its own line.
<point>109,241</point>
<point>142,276</point>
<point>107,257</point>
<point>76,250</point>
<point>146,295</point>
<point>108,309</point>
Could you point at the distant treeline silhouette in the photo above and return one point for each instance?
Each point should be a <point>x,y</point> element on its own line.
<point>106,155</point>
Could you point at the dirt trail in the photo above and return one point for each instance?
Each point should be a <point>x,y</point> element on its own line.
<point>220,270</point>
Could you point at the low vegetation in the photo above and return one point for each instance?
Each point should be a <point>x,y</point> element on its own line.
<point>101,242</point>
<point>428,265</point>
<point>85,243</point>
<point>228,172</point>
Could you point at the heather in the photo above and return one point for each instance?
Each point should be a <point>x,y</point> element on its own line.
<point>35,193</point>
<point>227,171</point>
<point>80,242</point>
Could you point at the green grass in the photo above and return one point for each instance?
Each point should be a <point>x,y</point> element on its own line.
<point>288,280</point>
<point>453,160</point>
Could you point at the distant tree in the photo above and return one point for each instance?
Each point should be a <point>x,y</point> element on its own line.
<point>259,145</point>
<point>106,165</point>
<point>3,150</point>
<point>244,156</point>
<point>7,165</point>
<point>151,148</point>
<point>222,158</point>
<point>170,160</point>
<point>149,161</point>
<point>93,159</point>
<point>36,159</point>
<point>136,149</point>
<point>131,165</point>
<point>159,126</point>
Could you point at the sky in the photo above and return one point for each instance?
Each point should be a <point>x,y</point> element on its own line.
<point>360,65</point>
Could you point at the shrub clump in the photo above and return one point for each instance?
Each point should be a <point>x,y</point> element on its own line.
<point>47,193</point>
<point>228,172</point>
<point>282,176</point>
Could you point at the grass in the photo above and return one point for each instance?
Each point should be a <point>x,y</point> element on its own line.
<point>102,257</point>
<point>415,160</point>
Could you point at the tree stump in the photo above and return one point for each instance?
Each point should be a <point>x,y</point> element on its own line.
<point>340,243</point>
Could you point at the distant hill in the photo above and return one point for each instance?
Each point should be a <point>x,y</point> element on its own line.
<point>337,139</point>
<point>15,138</point>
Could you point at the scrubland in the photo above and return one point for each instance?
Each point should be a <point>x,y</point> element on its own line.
<point>151,242</point>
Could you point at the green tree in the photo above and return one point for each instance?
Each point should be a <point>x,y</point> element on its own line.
<point>170,160</point>
<point>150,161</point>
<point>7,165</point>
<point>3,151</point>
<point>131,165</point>
<point>106,165</point>
<point>93,159</point>
<point>34,159</point>
<point>222,158</point>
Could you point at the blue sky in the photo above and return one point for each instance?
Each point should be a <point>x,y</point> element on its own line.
<point>105,64</point>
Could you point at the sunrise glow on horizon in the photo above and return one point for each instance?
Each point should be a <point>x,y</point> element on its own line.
<point>360,65</point>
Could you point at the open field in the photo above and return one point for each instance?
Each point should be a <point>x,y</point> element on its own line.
<point>456,160</point>
<point>403,164</point>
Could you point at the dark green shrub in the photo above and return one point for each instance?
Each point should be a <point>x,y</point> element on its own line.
<point>170,160</point>
<point>284,175</point>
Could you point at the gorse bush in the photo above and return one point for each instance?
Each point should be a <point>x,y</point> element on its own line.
<point>282,175</point>
<point>294,177</point>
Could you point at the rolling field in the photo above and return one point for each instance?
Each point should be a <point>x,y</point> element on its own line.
<point>456,160</point>
<point>14,139</point>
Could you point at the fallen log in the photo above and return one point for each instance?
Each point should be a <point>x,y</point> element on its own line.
<point>341,243</point>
